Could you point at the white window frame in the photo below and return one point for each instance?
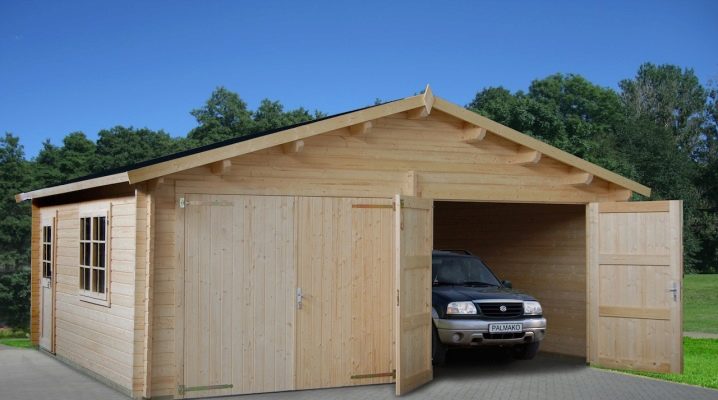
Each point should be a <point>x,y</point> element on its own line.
<point>48,247</point>
<point>95,264</point>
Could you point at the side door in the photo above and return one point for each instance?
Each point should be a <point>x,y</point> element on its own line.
<point>413,247</point>
<point>47,290</point>
<point>635,270</point>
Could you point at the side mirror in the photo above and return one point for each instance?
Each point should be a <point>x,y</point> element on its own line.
<point>507,284</point>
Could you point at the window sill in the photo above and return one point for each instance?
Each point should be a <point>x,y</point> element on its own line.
<point>94,300</point>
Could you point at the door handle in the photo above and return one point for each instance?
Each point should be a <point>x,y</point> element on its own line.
<point>674,290</point>
<point>299,298</point>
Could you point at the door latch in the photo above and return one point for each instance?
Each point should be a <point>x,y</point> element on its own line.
<point>299,298</point>
<point>674,290</point>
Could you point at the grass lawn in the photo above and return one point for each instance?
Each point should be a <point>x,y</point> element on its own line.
<point>700,303</point>
<point>23,343</point>
<point>700,364</point>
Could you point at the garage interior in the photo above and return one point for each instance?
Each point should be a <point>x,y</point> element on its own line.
<point>540,248</point>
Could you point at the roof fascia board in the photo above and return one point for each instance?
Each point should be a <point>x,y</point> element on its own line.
<point>527,141</point>
<point>275,139</point>
<point>75,186</point>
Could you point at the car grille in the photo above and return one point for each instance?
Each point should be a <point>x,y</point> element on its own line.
<point>516,335</point>
<point>493,310</point>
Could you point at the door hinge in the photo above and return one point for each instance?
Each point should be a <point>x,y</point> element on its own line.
<point>182,389</point>
<point>181,202</point>
<point>397,297</point>
<point>377,375</point>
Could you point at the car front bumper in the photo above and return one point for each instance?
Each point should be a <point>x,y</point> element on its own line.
<point>475,332</point>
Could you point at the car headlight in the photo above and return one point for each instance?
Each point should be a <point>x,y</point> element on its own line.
<point>532,308</point>
<point>461,307</point>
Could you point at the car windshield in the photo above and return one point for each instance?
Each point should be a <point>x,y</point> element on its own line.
<point>465,271</point>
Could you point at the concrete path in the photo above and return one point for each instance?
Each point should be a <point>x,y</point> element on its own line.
<point>700,335</point>
<point>29,374</point>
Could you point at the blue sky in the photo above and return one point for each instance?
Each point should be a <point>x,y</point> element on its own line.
<point>88,65</point>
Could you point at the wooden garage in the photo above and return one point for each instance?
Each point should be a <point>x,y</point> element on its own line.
<point>300,258</point>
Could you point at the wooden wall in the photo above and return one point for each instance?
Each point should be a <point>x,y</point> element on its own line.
<point>164,303</point>
<point>541,249</point>
<point>425,158</point>
<point>96,337</point>
<point>35,274</point>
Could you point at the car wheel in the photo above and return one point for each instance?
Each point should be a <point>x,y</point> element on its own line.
<point>438,350</point>
<point>526,351</point>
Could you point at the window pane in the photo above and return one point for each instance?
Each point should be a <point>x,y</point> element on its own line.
<point>84,229</point>
<point>102,225</point>
<point>49,234</point>
<point>82,254</point>
<point>87,279</point>
<point>101,255</point>
<point>101,281</point>
<point>87,254</point>
<point>94,254</point>
<point>82,278</point>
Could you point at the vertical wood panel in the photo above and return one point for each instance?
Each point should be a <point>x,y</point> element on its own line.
<point>239,294</point>
<point>413,247</point>
<point>345,271</point>
<point>637,319</point>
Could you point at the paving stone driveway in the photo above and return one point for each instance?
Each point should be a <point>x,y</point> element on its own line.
<point>28,374</point>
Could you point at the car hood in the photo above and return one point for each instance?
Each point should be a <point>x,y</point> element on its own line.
<point>449,293</point>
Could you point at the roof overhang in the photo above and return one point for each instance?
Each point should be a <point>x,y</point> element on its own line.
<point>420,105</point>
<point>73,187</point>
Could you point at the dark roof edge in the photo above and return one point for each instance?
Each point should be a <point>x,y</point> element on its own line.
<point>200,149</point>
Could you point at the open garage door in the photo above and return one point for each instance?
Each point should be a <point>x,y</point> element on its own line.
<point>414,242</point>
<point>635,269</point>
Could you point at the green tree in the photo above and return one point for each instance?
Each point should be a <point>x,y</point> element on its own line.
<point>671,98</point>
<point>271,115</point>
<point>121,146</point>
<point>224,115</point>
<point>75,158</point>
<point>708,184</point>
<point>566,111</point>
<point>15,299</point>
<point>15,221</point>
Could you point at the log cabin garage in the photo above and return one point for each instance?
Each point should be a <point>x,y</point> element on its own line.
<point>300,258</point>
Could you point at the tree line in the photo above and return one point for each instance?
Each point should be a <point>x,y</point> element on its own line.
<point>659,128</point>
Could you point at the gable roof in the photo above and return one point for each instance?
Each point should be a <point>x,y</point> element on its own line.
<point>216,152</point>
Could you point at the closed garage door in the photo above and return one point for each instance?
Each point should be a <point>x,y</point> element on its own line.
<point>239,287</point>
<point>286,293</point>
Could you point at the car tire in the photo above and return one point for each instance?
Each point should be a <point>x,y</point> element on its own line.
<point>438,349</point>
<point>525,351</point>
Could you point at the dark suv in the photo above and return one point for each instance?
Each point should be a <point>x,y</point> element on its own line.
<point>471,307</point>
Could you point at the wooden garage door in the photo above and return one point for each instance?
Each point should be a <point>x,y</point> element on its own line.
<point>635,280</point>
<point>345,324</point>
<point>414,242</point>
<point>239,293</point>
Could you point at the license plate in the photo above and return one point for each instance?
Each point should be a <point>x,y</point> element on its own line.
<point>505,328</point>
